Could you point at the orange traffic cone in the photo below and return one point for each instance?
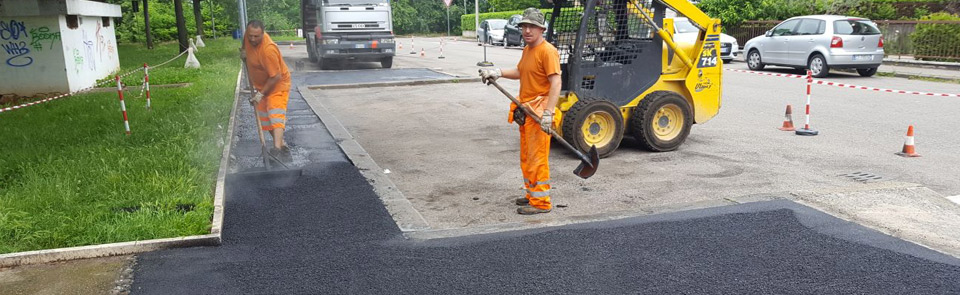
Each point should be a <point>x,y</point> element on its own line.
<point>788,120</point>
<point>908,145</point>
<point>422,52</point>
<point>291,45</point>
<point>400,45</point>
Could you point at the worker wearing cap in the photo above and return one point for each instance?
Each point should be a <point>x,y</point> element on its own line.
<point>271,81</point>
<point>539,75</point>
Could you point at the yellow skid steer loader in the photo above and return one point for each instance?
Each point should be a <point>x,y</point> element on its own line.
<point>624,74</point>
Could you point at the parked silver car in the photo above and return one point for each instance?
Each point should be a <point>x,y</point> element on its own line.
<point>491,31</point>
<point>819,43</point>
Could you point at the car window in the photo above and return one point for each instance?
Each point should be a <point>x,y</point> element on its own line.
<point>855,27</point>
<point>497,24</point>
<point>810,27</point>
<point>786,28</point>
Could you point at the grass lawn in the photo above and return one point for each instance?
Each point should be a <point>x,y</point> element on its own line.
<point>69,176</point>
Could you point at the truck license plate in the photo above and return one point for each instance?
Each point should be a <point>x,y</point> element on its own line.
<point>863,57</point>
<point>358,46</point>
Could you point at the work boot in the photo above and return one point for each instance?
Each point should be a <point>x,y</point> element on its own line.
<point>281,155</point>
<point>530,210</point>
<point>522,201</point>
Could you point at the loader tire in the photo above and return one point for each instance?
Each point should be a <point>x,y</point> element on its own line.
<point>593,122</point>
<point>662,121</point>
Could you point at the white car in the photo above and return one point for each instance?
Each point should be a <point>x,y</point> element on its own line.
<point>686,33</point>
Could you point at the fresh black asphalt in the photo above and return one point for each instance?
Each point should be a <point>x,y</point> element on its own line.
<point>327,232</point>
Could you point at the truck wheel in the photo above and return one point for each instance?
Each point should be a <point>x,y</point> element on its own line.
<point>311,53</point>
<point>324,63</point>
<point>593,122</point>
<point>386,62</point>
<point>662,121</point>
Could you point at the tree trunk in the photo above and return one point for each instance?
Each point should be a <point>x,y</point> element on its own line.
<point>198,16</point>
<point>181,25</point>
<point>146,24</point>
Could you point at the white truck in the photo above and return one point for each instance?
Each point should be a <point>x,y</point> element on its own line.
<point>348,30</point>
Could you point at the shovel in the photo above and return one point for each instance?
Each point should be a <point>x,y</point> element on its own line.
<point>264,153</point>
<point>588,165</point>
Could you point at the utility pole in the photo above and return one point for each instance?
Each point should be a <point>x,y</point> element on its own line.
<point>181,25</point>
<point>146,24</point>
<point>213,21</point>
<point>242,5</point>
<point>198,16</point>
<point>476,16</point>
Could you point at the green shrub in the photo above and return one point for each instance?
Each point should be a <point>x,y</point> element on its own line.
<point>467,21</point>
<point>937,40</point>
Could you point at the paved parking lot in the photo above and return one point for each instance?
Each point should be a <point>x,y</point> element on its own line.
<point>450,151</point>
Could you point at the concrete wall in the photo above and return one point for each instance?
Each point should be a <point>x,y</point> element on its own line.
<point>90,52</point>
<point>40,54</point>
<point>31,55</point>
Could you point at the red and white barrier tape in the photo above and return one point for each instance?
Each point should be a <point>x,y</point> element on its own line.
<point>101,83</point>
<point>844,85</point>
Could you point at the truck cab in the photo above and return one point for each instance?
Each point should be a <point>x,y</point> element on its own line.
<point>349,30</point>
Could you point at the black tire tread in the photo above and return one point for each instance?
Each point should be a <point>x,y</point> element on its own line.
<point>637,121</point>
<point>570,131</point>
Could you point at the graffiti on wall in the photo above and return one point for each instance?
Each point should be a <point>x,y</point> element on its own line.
<point>38,35</point>
<point>88,52</point>
<point>13,35</point>
<point>77,61</point>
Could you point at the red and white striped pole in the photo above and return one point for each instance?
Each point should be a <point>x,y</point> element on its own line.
<point>441,49</point>
<point>413,48</point>
<point>123,106</point>
<point>146,82</point>
<point>806,126</point>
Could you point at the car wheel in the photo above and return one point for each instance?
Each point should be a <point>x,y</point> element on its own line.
<point>867,72</point>
<point>818,66</point>
<point>753,60</point>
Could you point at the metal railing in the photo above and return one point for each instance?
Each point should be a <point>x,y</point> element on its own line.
<point>898,35</point>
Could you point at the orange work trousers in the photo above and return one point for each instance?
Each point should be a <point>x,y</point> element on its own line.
<point>534,161</point>
<point>272,110</point>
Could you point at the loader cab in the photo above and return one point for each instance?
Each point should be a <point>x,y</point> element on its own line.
<point>604,43</point>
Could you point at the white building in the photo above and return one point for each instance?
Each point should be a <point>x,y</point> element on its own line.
<point>56,45</point>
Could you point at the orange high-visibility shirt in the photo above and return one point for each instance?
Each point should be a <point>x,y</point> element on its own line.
<point>536,64</point>
<point>264,61</point>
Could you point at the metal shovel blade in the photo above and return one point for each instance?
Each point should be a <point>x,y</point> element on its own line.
<point>587,169</point>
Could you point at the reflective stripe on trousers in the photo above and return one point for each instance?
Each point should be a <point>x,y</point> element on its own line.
<point>534,162</point>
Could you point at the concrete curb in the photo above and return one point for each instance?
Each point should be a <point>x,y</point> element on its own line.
<point>922,64</point>
<point>407,217</point>
<point>389,84</point>
<point>134,247</point>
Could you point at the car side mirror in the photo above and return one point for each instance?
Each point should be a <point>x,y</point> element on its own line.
<point>769,33</point>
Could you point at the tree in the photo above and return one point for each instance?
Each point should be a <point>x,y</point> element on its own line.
<point>507,5</point>
<point>181,25</point>
<point>198,17</point>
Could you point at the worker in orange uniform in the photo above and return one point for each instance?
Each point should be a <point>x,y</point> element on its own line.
<point>271,81</point>
<point>539,74</point>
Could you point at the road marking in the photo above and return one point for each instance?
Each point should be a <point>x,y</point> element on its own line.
<point>955,199</point>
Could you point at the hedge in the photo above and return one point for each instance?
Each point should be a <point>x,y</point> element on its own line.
<point>941,40</point>
<point>467,24</point>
